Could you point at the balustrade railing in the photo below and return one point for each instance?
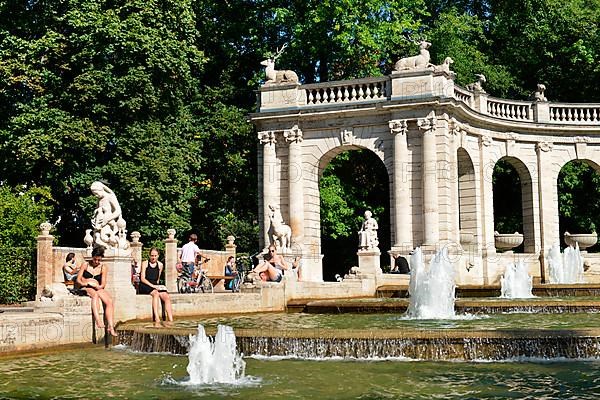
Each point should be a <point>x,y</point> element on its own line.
<point>575,113</point>
<point>463,95</point>
<point>347,91</point>
<point>510,109</point>
<point>379,89</point>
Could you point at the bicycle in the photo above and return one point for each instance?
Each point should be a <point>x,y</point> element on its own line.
<point>197,281</point>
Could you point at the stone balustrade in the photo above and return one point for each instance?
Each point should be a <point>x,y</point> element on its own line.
<point>422,85</point>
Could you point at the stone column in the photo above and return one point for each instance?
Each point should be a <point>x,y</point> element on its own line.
<point>296,186</point>
<point>429,173</point>
<point>486,171</point>
<point>547,193</point>
<point>267,139</point>
<point>45,268</point>
<point>171,261</point>
<point>136,247</point>
<point>401,194</point>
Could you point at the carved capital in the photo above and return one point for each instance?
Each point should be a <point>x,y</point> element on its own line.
<point>267,137</point>
<point>293,135</point>
<point>544,146</point>
<point>486,140</point>
<point>135,236</point>
<point>456,128</point>
<point>398,126</point>
<point>428,123</point>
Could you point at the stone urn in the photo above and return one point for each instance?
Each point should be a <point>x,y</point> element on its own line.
<point>584,240</point>
<point>507,241</point>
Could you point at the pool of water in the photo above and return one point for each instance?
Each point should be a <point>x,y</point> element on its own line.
<point>290,321</point>
<point>119,373</point>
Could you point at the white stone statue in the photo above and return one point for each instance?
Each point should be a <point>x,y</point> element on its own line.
<point>274,76</point>
<point>107,221</point>
<point>420,61</point>
<point>538,95</point>
<point>445,66</point>
<point>280,233</point>
<point>478,85</point>
<point>367,236</point>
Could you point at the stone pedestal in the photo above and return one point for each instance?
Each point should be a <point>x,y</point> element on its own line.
<point>45,273</point>
<point>171,261</point>
<point>368,262</point>
<point>119,284</point>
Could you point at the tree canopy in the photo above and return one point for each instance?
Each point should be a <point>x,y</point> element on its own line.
<point>151,97</point>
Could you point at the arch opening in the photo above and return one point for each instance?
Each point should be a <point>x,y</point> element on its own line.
<point>353,180</point>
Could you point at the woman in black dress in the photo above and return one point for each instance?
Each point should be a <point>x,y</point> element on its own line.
<point>149,276</point>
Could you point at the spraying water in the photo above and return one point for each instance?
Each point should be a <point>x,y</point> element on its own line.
<point>565,268</point>
<point>516,282</point>
<point>214,362</point>
<point>431,290</point>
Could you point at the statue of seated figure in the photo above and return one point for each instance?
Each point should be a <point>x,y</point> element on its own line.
<point>367,236</point>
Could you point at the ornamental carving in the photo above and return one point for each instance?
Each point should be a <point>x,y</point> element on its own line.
<point>486,140</point>
<point>398,126</point>
<point>267,137</point>
<point>347,136</point>
<point>428,123</point>
<point>544,146</point>
<point>293,135</point>
<point>581,139</point>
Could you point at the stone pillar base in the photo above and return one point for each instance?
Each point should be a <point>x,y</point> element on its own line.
<point>119,283</point>
<point>368,262</point>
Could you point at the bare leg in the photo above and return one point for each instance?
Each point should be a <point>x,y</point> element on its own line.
<point>95,303</point>
<point>109,310</point>
<point>155,306</point>
<point>169,308</point>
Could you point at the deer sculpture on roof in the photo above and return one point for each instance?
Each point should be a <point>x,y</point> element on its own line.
<point>420,61</point>
<point>274,76</point>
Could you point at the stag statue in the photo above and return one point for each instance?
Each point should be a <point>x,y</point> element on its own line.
<point>274,76</point>
<point>420,61</point>
<point>280,233</point>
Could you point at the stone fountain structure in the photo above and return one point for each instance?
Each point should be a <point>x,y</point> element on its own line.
<point>439,143</point>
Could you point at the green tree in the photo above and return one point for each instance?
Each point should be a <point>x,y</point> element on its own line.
<point>22,210</point>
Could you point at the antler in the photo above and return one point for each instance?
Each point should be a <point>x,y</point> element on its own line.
<point>279,51</point>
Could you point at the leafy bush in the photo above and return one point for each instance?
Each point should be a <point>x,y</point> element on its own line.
<point>22,210</point>
<point>17,274</point>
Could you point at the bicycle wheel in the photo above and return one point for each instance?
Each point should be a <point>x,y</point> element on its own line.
<point>206,285</point>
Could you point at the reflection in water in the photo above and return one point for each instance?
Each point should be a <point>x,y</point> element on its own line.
<point>96,373</point>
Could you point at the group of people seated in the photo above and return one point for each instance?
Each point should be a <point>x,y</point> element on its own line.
<point>90,279</point>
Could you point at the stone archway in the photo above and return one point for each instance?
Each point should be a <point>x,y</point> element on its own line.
<point>352,179</point>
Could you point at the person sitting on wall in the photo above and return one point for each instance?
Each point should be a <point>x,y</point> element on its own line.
<point>92,277</point>
<point>135,276</point>
<point>230,270</point>
<point>149,276</point>
<point>277,260</point>
<point>273,274</point>
<point>400,265</point>
<point>70,268</point>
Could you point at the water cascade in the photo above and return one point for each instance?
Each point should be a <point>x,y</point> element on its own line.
<point>565,268</point>
<point>431,290</point>
<point>214,361</point>
<point>516,282</point>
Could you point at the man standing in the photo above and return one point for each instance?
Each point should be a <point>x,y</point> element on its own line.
<point>188,253</point>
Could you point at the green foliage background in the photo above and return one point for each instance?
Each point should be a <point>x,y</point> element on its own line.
<point>151,96</point>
